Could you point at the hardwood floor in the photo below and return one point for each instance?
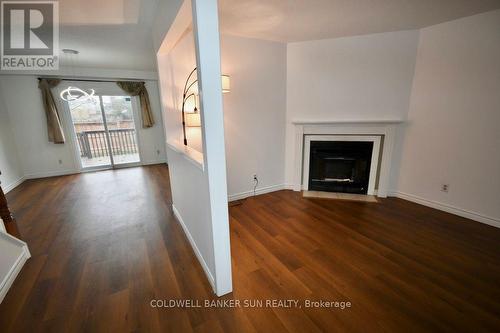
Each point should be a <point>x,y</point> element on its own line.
<point>105,244</point>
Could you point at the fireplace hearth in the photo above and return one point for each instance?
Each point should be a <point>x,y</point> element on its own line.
<point>340,166</point>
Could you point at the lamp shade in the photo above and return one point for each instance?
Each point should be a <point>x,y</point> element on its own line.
<point>193,119</point>
<point>190,104</point>
<point>226,84</point>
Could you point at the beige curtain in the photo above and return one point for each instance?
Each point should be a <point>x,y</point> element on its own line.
<point>54,126</point>
<point>139,89</point>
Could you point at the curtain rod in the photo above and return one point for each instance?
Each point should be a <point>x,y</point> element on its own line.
<point>91,80</point>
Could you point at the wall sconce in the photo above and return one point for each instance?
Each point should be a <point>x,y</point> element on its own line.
<point>192,114</point>
<point>226,84</point>
<point>193,119</point>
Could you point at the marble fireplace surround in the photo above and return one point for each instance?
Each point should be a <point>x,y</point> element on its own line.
<point>385,129</point>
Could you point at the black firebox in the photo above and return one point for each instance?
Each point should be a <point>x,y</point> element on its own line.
<point>340,166</point>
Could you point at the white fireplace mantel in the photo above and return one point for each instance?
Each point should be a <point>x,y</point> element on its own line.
<point>383,128</point>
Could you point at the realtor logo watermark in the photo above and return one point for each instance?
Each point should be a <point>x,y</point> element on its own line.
<point>30,35</point>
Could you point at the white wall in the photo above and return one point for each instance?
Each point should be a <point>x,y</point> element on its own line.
<point>354,78</point>
<point>452,135</point>
<point>40,158</point>
<point>180,62</point>
<point>198,176</point>
<point>10,167</point>
<point>254,110</point>
<point>254,113</point>
<point>188,182</point>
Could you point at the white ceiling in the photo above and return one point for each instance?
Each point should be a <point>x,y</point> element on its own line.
<point>116,34</point>
<point>111,34</point>
<point>299,20</point>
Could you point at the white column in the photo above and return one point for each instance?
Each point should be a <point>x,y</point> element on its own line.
<point>206,32</point>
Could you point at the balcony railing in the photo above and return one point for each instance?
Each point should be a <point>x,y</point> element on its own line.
<point>94,143</point>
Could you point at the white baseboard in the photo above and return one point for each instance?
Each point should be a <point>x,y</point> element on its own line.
<point>154,162</point>
<point>195,248</point>
<point>9,187</point>
<point>261,190</point>
<point>47,174</point>
<point>447,208</point>
<point>16,268</point>
<point>51,174</point>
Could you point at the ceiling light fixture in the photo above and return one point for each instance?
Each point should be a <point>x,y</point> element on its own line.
<point>76,94</point>
<point>70,51</point>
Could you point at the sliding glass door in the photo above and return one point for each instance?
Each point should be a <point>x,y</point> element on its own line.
<point>121,129</point>
<point>105,131</point>
<point>90,130</point>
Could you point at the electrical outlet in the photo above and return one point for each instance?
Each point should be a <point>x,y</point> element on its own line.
<point>445,188</point>
<point>158,151</point>
<point>255,183</point>
<point>60,161</point>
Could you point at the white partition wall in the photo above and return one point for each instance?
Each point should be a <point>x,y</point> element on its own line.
<point>198,170</point>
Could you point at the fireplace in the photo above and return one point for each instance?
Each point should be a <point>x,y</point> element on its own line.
<point>340,166</point>
<point>380,132</point>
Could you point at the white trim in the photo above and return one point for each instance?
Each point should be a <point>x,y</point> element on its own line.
<point>258,191</point>
<point>47,174</point>
<point>190,154</point>
<point>375,127</point>
<point>195,248</point>
<point>299,147</point>
<point>495,222</point>
<point>90,73</point>
<point>334,138</point>
<point>51,174</point>
<point>11,186</point>
<point>16,268</point>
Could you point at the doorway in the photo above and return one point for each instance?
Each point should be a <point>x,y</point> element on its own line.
<point>105,132</point>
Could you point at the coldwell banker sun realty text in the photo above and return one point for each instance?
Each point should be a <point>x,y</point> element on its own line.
<point>30,35</point>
